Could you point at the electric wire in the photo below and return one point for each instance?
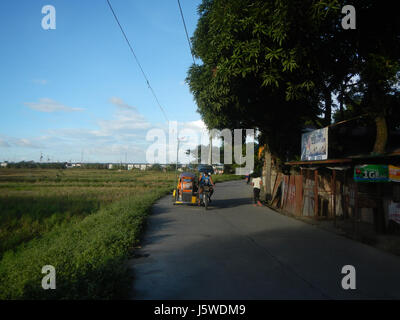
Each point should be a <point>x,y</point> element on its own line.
<point>187,35</point>
<point>137,61</point>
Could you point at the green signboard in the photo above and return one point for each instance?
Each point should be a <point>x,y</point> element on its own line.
<point>371,173</point>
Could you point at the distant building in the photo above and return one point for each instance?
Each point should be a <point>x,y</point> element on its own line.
<point>218,169</point>
<point>3,164</point>
<point>130,166</point>
<point>110,166</point>
<point>73,165</point>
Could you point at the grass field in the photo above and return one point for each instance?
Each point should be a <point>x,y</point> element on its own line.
<point>83,222</point>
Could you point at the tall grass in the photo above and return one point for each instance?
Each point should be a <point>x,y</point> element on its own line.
<point>88,256</point>
<point>32,202</point>
<point>85,223</point>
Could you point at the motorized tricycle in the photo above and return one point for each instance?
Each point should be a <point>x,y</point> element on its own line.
<point>187,190</point>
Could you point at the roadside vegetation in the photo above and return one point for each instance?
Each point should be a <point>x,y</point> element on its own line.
<point>83,222</point>
<point>276,66</point>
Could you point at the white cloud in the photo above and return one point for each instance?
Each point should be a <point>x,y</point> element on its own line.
<point>8,142</point>
<point>121,104</point>
<point>4,144</point>
<point>110,139</point>
<point>26,143</point>
<point>49,105</point>
<point>40,81</point>
<point>126,120</point>
<point>197,125</point>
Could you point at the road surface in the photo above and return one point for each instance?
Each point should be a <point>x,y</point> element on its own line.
<point>238,251</point>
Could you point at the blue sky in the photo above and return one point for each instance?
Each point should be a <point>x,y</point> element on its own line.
<point>77,88</point>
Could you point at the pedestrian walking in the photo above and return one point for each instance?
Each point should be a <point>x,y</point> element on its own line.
<point>256,182</point>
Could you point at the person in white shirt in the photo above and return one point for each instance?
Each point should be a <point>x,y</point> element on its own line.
<point>256,182</point>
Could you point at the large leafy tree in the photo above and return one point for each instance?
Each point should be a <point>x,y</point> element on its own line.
<point>377,46</point>
<point>273,65</point>
<point>257,71</point>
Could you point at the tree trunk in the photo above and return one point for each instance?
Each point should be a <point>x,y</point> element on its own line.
<point>381,135</point>
<point>268,160</point>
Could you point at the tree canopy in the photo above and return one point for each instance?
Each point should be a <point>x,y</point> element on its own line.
<point>274,65</point>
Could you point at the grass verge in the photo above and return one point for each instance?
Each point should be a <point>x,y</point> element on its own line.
<point>49,221</point>
<point>88,256</point>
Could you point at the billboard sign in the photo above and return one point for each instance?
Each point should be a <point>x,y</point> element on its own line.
<point>371,173</point>
<point>394,173</point>
<point>314,145</point>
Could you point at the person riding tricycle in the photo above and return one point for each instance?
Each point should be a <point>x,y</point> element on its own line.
<point>206,184</point>
<point>206,189</point>
<point>194,190</point>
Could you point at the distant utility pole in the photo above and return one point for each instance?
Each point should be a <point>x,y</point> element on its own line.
<point>177,150</point>
<point>210,150</point>
<point>41,156</point>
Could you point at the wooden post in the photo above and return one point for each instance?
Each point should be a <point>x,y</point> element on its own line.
<point>334,196</point>
<point>316,193</point>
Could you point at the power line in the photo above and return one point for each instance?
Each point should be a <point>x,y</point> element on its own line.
<point>137,61</point>
<point>187,36</point>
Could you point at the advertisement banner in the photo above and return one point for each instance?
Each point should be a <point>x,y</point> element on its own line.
<point>314,145</point>
<point>394,211</point>
<point>394,173</point>
<point>371,173</point>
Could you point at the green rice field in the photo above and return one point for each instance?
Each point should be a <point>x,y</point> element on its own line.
<point>83,222</point>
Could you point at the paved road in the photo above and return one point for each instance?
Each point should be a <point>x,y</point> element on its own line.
<point>237,251</point>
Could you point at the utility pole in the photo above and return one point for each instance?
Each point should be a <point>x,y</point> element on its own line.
<point>177,152</point>
<point>210,150</point>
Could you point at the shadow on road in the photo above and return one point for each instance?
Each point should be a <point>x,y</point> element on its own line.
<point>243,252</point>
<point>275,263</point>
<point>229,203</point>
